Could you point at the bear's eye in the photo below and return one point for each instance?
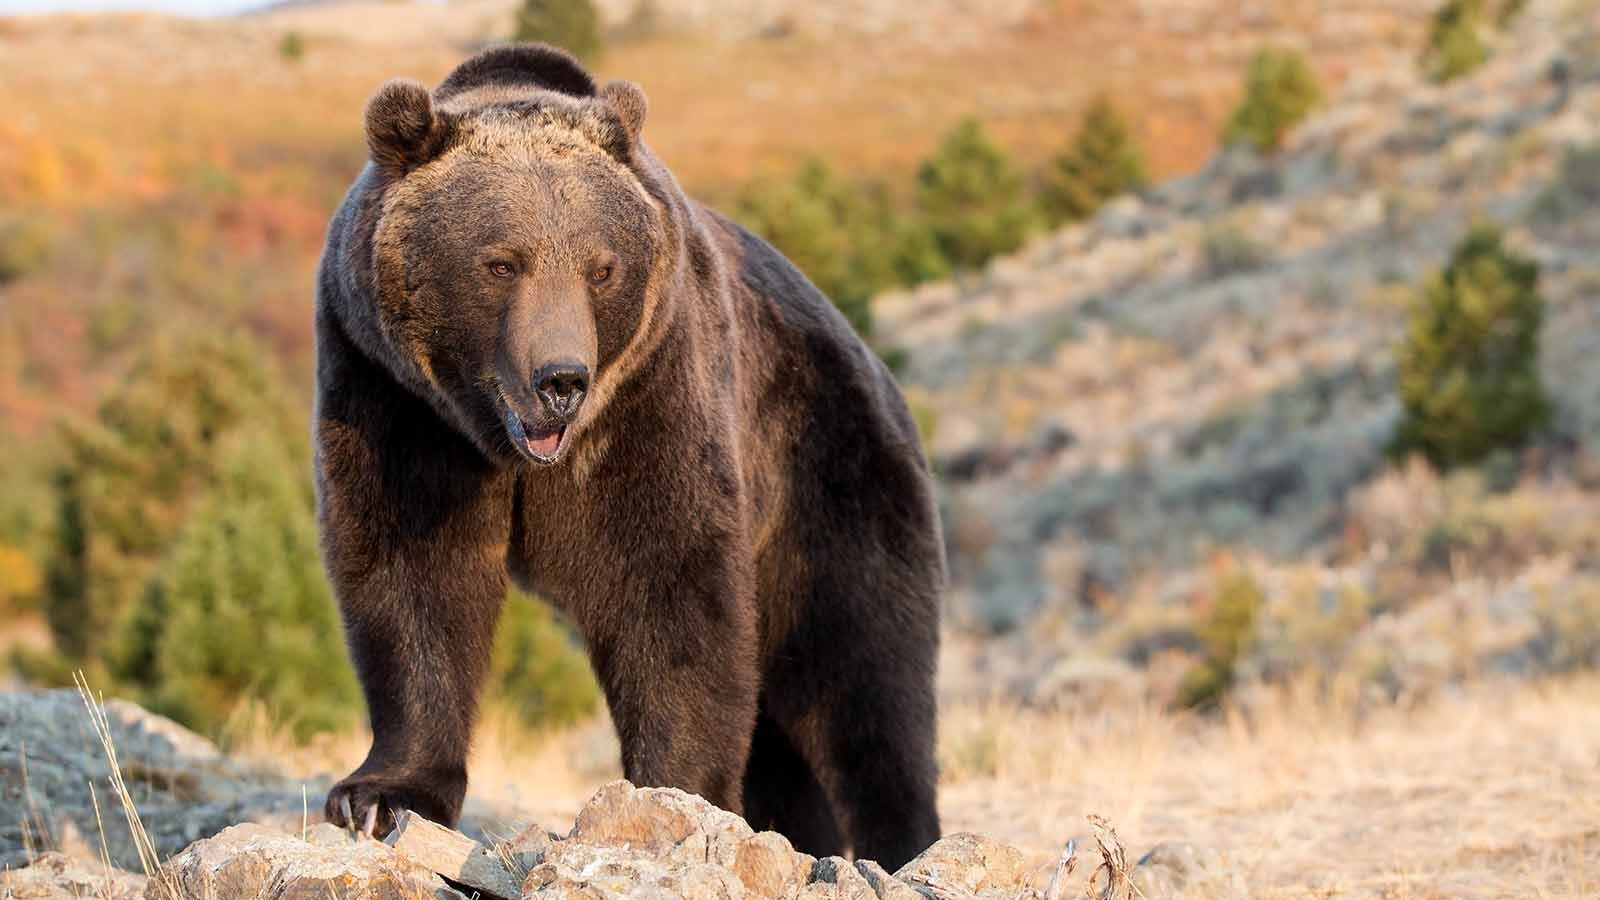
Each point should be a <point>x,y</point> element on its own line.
<point>502,269</point>
<point>600,274</point>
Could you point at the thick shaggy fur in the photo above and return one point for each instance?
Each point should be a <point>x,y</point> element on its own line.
<point>740,521</point>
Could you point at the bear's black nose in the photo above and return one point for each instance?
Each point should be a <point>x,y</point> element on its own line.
<point>561,387</point>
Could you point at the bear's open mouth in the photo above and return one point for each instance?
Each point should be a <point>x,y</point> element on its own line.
<point>540,443</point>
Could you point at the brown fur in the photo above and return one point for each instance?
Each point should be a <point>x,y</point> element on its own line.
<point>737,517</point>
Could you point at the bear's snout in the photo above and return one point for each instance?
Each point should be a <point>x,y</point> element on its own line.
<point>561,388</point>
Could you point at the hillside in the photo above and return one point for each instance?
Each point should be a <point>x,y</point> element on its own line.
<point>1204,375</point>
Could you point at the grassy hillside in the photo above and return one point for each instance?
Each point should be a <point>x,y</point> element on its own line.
<point>1201,382</point>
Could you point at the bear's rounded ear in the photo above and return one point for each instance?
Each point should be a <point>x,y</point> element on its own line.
<point>402,128</point>
<point>630,104</point>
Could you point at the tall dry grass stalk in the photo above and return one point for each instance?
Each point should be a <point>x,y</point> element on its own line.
<point>149,860</point>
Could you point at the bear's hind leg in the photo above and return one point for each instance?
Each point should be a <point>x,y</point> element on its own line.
<point>879,745</point>
<point>782,794</point>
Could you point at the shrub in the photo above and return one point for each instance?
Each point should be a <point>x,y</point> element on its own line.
<point>240,611</point>
<point>1280,91</point>
<point>846,237</point>
<point>573,25</point>
<point>1469,364</point>
<point>1227,634</point>
<point>130,476</point>
<point>1575,190</point>
<point>973,199</point>
<point>292,47</point>
<point>1226,250</point>
<point>1103,161</point>
<point>1457,40</point>
<point>539,671</point>
<point>25,246</point>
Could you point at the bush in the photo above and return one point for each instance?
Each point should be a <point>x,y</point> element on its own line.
<point>1227,250</point>
<point>1103,161</point>
<point>240,611</point>
<point>292,47</point>
<point>973,200</point>
<point>129,477</point>
<point>25,246</point>
<point>1575,191</point>
<point>1457,40</point>
<point>846,237</point>
<point>539,671</point>
<point>1228,633</point>
<point>1469,364</point>
<point>1280,91</point>
<point>573,25</point>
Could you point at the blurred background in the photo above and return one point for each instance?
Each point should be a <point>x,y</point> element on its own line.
<point>1256,346</point>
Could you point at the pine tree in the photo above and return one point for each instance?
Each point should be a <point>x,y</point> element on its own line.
<point>1103,161</point>
<point>973,199</point>
<point>240,611</point>
<point>1280,91</point>
<point>573,25</point>
<point>130,475</point>
<point>1469,365</point>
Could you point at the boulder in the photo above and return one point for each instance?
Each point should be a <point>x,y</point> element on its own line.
<point>260,862</point>
<point>56,876</point>
<point>969,864</point>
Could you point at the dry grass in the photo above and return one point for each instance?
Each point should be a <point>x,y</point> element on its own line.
<point>1494,792</point>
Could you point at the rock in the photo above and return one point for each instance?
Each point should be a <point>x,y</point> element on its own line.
<point>183,787</point>
<point>261,862</point>
<point>663,822</point>
<point>968,864</point>
<point>848,884</point>
<point>56,876</point>
<point>524,851</point>
<point>453,855</point>
<point>768,866</point>
<point>574,869</point>
<point>884,885</point>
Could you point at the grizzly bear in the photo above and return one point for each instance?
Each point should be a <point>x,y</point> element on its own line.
<point>538,360</point>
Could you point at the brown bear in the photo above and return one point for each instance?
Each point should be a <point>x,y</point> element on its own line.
<point>537,359</point>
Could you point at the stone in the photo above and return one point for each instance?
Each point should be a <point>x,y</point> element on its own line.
<point>884,885</point>
<point>56,876</point>
<point>452,855</point>
<point>184,788</point>
<point>848,883</point>
<point>967,863</point>
<point>768,866</point>
<point>261,862</point>
<point>524,851</point>
<point>664,822</point>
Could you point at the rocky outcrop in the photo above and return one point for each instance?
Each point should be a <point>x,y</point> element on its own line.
<point>183,787</point>
<point>627,842</point>
<point>57,876</point>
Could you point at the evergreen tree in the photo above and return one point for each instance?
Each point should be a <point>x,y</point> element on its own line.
<point>573,25</point>
<point>846,237</point>
<point>1469,364</point>
<point>973,199</point>
<point>240,611</point>
<point>1280,91</point>
<point>1103,161</point>
<point>129,477</point>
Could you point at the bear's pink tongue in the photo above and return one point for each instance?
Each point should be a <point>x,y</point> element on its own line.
<point>546,445</point>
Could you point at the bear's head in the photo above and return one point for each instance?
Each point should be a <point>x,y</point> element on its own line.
<point>523,238</point>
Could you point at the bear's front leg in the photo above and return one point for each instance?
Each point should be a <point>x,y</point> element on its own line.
<point>415,525</point>
<point>677,659</point>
